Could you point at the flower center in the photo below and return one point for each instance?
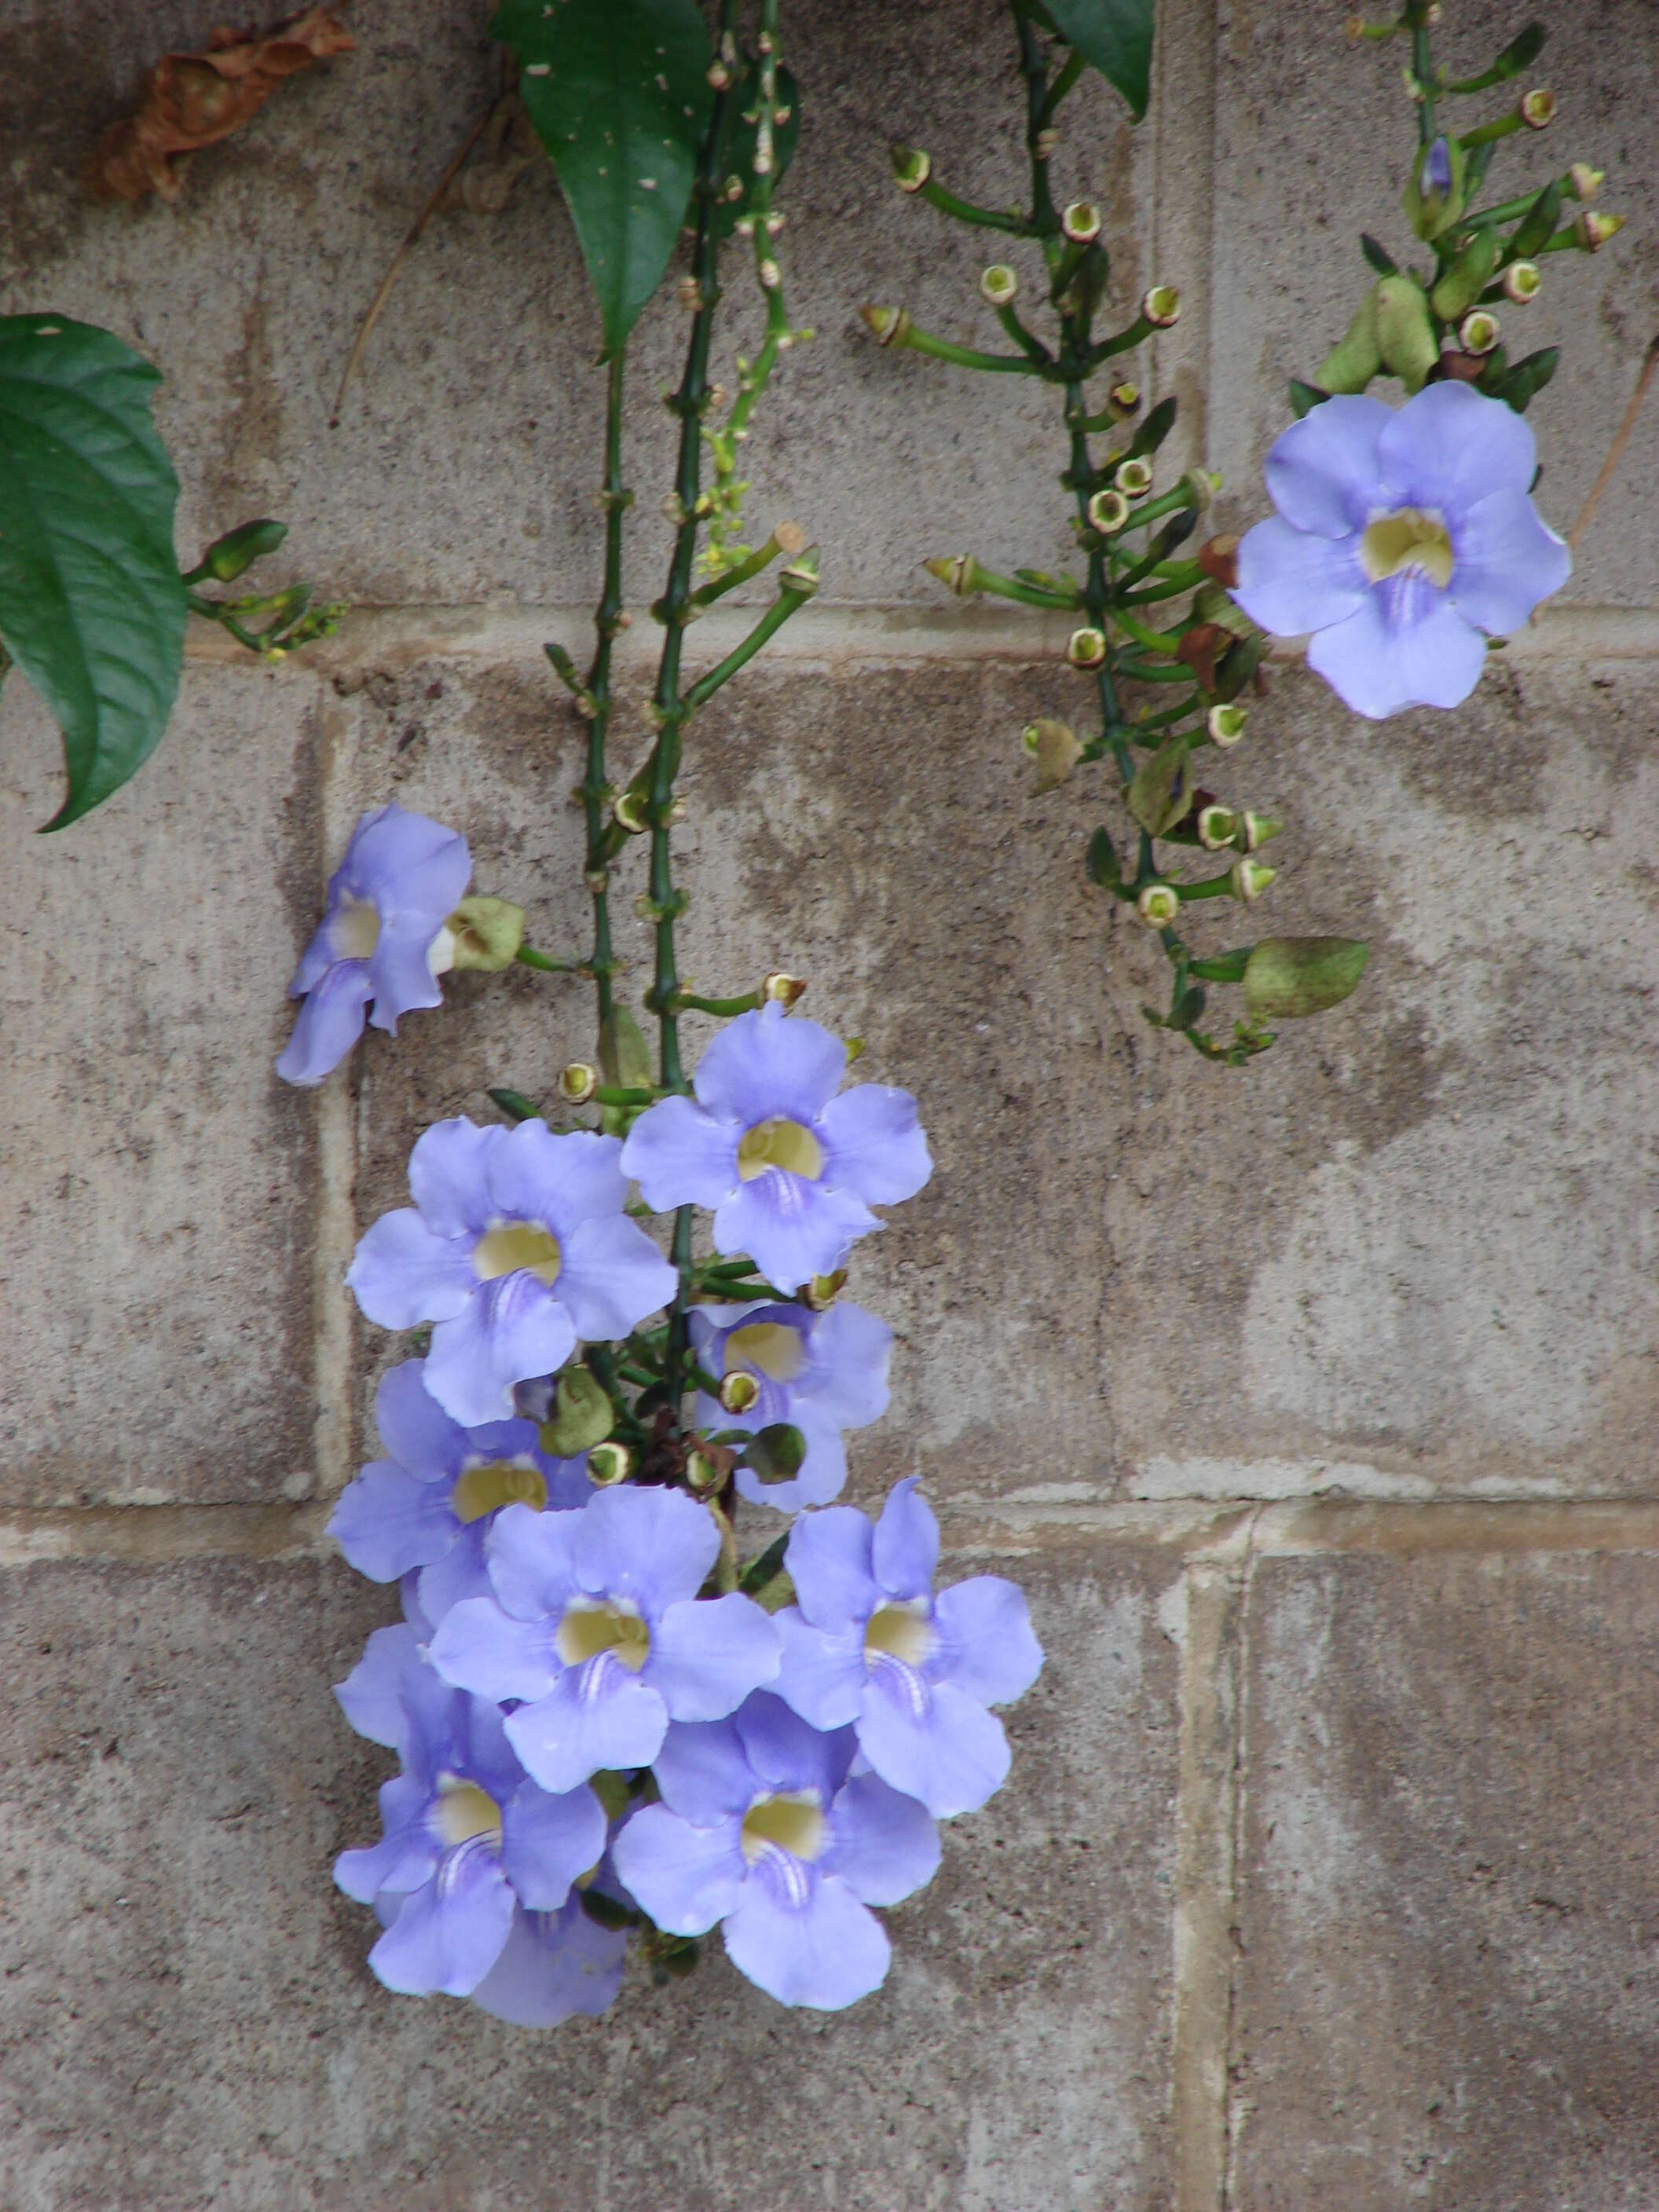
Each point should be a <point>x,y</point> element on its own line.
<point>465,1811</point>
<point>514,1245</point>
<point>1411,537</point>
<point>495,1483</point>
<point>790,1820</point>
<point>899,1631</point>
<point>603,1625</point>
<point>356,930</point>
<point>766,1347</point>
<point>779,1144</point>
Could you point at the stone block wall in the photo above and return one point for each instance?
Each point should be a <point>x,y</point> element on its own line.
<point>1314,1406</point>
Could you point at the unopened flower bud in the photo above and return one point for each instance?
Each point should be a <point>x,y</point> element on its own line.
<point>1086,648</point>
<point>957,572</point>
<point>1159,905</point>
<point>911,167</point>
<point>581,1416</point>
<point>1217,827</point>
<point>998,284</point>
<point>1161,307</point>
<point>229,557</point>
<point>1133,478</point>
<point>1080,221</point>
<point>1248,879</point>
<point>888,324</point>
<point>1259,828</point>
<point>785,988</point>
<point>578,1082</point>
<point>821,1293</point>
<point>801,576</point>
<point>608,1464</point>
<point>739,1391</point>
<point>1122,401</point>
<point>1478,333</point>
<point>1594,229</point>
<point>1538,108</point>
<point>1226,726</point>
<point>486,934</point>
<point>703,1473</point>
<point>1201,486</point>
<point>1108,511</point>
<point>1584,182</point>
<point>1521,281</point>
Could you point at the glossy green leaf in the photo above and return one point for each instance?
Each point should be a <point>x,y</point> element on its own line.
<point>1115,36</point>
<point>737,155</point>
<point>92,606</point>
<point>619,96</point>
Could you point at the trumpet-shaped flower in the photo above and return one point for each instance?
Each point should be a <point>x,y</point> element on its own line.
<point>1403,538</point>
<point>469,1840</point>
<point>383,938</point>
<point>821,1372</point>
<point>596,1625</point>
<point>868,1643</point>
<point>517,1245</point>
<point>428,1504</point>
<point>790,1169</point>
<point>553,1967</point>
<point>762,1829</point>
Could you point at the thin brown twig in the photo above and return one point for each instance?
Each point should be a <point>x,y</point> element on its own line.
<point>1621,439</point>
<point>411,239</point>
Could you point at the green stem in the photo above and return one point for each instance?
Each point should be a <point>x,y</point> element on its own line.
<point>1070,70</point>
<point>1422,69</point>
<point>1013,226</point>
<point>1028,341</point>
<point>725,1008</point>
<point>544,963</point>
<point>741,572</point>
<point>787,603</point>
<point>912,340</point>
<point>1136,334</point>
<point>607,623</point>
<point>1163,642</point>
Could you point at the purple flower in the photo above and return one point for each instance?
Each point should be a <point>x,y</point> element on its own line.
<point>517,1244</point>
<point>430,1503</point>
<point>552,1966</point>
<point>596,1624</point>
<point>821,1372</point>
<point>1436,167</point>
<point>383,936</point>
<point>790,1170</point>
<point>468,1840</point>
<point>1401,537</point>
<point>761,1828</point>
<point>868,1643</point>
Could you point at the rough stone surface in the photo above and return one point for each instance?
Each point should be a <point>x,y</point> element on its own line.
<point>187,2020</point>
<point>159,1181</point>
<point>1446,1990</point>
<point>1414,1255</point>
<point>1313,138</point>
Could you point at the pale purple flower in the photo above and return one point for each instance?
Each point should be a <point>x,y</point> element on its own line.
<point>553,1967</point>
<point>596,1624</point>
<point>868,1643</point>
<point>762,1829</point>
<point>429,1503</point>
<point>1436,167</point>
<point>516,1246</point>
<point>1403,538</point>
<point>383,938</point>
<point>820,1372</point>
<point>790,1170</point>
<point>469,1839</point>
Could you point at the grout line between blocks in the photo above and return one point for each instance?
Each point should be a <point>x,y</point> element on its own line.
<point>336,1225</point>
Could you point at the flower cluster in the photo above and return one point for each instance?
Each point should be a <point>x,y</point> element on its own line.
<point>604,1726</point>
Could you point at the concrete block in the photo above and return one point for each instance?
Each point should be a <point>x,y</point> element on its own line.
<point>159,1180</point>
<point>187,2018</point>
<point>1446,1986</point>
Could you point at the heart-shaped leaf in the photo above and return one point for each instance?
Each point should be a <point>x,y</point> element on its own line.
<point>620,97</point>
<point>92,608</point>
<point>1115,36</point>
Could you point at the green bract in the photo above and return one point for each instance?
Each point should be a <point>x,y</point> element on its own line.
<point>92,608</point>
<point>620,97</point>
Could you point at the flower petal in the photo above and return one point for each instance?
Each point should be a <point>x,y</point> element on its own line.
<point>936,1745</point>
<point>532,1560</point>
<point>791,1228</point>
<point>597,1715</point>
<point>554,1965</point>
<point>547,1841</point>
<point>407,865</point>
<point>1291,581</point>
<point>886,1846</point>
<point>509,1329</point>
<point>612,1277</point>
<point>685,1878</point>
<point>823,1676</point>
<point>708,1654</point>
<point>905,1549</point>
<point>703,1773</point>
<point>369,1696</point>
<point>406,1853</point>
<point>652,1545</point>
<point>456,1575</point>
<point>415,1430</point>
<point>328,1024</point>
<point>403,1273</point>
<point>535,1176</point>
<point>986,1645</point>
<point>449,1933</point>
<point>388,1521</point>
<point>477,1647</point>
<point>787,1753</point>
<point>1323,473</point>
<point>1376,667</point>
<point>874,1144</point>
<point>400,974</point>
<point>1505,558</point>
<point>826,1951</point>
<point>846,1378</point>
<point>766,1066</point>
<point>1452,446</point>
<point>830,1561</point>
<point>679,1155</point>
<point>449,1175</point>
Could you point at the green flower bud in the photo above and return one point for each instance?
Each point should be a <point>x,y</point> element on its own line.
<point>911,167</point>
<point>957,572</point>
<point>487,933</point>
<point>703,1473</point>
<point>1405,335</point>
<point>1584,182</point>
<point>998,284</point>
<point>1133,478</point>
<point>1122,401</point>
<point>1468,275</point>
<point>739,1391</point>
<point>1086,648</point>
<point>888,324</point>
<point>229,557</point>
<point>821,1293</point>
<point>1161,305</point>
<point>1080,221</point>
<point>1108,511</point>
<point>1259,828</point>
<point>578,1082</point>
<point>1594,229</point>
<point>801,576</point>
<point>1159,905</point>
<point>1286,978</point>
<point>1218,826</point>
<point>1226,726</point>
<point>609,1464</point>
<point>1248,879</point>
<point>1435,198</point>
<point>1523,281</point>
<point>1055,750</point>
<point>787,989</point>
<point>1355,358</point>
<point>582,1414</point>
<point>1538,108</point>
<point>1478,332</point>
<point>776,1453</point>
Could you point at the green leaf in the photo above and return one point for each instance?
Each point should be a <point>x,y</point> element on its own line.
<point>1304,398</point>
<point>1157,427</point>
<point>92,606</point>
<point>1161,792</point>
<point>1378,254</point>
<point>1116,37</point>
<point>619,96</point>
<point>737,155</point>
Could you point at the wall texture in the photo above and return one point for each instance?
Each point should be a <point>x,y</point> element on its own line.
<point>1314,1406</point>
